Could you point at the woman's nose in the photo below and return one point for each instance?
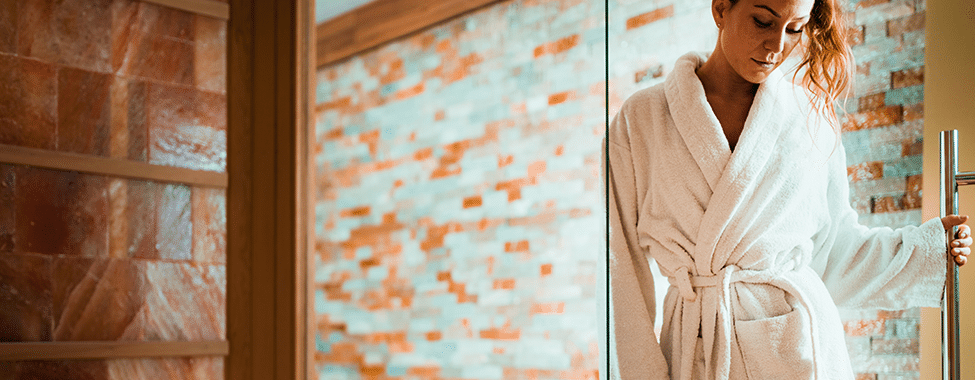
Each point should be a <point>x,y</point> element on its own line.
<point>776,42</point>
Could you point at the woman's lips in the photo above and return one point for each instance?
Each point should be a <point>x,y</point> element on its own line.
<point>763,64</point>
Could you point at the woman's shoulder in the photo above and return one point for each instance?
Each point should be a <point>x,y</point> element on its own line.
<point>638,112</point>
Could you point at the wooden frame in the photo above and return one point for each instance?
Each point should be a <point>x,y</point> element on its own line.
<point>21,351</point>
<point>381,21</point>
<point>109,166</point>
<point>269,76</point>
<point>210,8</point>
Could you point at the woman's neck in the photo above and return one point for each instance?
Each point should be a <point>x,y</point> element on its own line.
<point>721,81</point>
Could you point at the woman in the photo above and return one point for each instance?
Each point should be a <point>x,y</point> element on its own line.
<point>733,179</point>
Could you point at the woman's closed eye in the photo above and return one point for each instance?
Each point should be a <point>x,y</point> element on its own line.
<point>764,25</point>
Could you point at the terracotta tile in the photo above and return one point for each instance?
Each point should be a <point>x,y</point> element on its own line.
<point>209,225</point>
<point>174,235</point>
<point>25,298</point>
<point>141,209</point>
<point>196,368</point>
<point>97,299</point>
<point>28,103</point>
<point>151,41</point>
<point>7,208</point>
<point>133,124</point>
<point>61,213</point>
<point>36,37</point>
<point>84,107</point>
<point>210,58</point>
<point>186,302</point>
<point>57,370</point>
<point>8,27</point>
<point>83,34</point>
<point>187,128</point>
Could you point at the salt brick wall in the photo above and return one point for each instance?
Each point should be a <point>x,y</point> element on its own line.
<point>459,207</point>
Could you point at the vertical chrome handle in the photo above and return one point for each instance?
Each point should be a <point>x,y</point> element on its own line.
<point>950,365</point>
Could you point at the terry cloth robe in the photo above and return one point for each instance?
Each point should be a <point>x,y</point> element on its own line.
<point>760,245</point>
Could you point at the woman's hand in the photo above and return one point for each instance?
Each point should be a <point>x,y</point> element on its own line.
<point>963,238</point>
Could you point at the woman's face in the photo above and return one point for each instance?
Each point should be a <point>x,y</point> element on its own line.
<point>757,35</point>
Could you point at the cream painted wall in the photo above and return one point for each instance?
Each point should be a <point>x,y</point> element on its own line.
<point>949,92</point>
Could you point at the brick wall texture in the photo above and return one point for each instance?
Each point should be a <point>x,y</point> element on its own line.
<point>459,212</point>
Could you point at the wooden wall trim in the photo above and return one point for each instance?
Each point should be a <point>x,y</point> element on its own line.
<point>108,350</point>
<point>266,280</point>
<point>381,21</point>
<point>210,8</point>
<point>109,167</point>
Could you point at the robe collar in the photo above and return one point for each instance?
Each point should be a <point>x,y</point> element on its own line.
<point>699,126</point>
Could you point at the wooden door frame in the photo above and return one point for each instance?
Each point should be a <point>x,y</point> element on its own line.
<point>269,76</point>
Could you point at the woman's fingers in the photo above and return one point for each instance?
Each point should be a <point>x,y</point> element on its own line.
<point>953,220</point>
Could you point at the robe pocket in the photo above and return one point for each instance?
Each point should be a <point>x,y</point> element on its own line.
<point>776,348</point>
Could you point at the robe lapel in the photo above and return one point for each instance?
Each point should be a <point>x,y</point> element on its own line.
<point>744,172</point>
<point>694,119</point>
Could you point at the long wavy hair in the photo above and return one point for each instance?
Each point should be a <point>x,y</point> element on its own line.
<point>827,66</point>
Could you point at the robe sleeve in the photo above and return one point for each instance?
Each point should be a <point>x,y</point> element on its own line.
<point>881,267</point>
<point>633,351</point>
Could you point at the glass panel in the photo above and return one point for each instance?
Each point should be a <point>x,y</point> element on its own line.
<point>87,257</point>
<point>458,205</point>
<point>882,129</point>
<point>199,368</point>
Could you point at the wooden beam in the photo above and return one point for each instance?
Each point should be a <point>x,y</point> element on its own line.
<point>109,166</point>
<point>210,8</point>
<point>108,350</point>
<point>381,21</point>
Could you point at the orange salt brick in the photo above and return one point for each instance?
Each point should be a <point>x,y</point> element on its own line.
<point>903,25</point>
<point>559,98</point>
<point>505,160</point>
<point>334,133</point>
<point>559,150</point>
<point>579,212</point>
<point>514,195</point>
<point>880,117</point>
<point>548,308</point>
<point>912,147</point>
<point>371,138</point>
<point>866,376</point>
<point>536,168</point>
<point>864,327</point>
<point>866,171</point>
<point>914,112</point>
<point>872,102</point>
<point>471,202</point>
<point>440,115</point>
<point>912,199</point>
<point>423,154</point>
<point>879,205</point>
<point>854,35</point>
<point>398,183</point>
<point>504,283</point>
<point>649,17</point>
<point>500,334</point>
<point>339,103</point>
<point>372,371</point>
<point>518,246</point>
<point>498,350</point>
<point>443,276</point>
<point>357,211</point>
<point>370,262</point>
<point>908,77</point>
<point>424,372</point>
<point>870,3</point>
<point>557,46</point>
<point>546,270</point>
<point>410,92</point>
<point>434,335</point>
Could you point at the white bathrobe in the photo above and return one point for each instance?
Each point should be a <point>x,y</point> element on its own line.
<point>760,244</point>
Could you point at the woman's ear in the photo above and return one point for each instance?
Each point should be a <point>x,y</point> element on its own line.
<point>719,9</point>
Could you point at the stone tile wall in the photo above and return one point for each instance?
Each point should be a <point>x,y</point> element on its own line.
<point>87,257</point>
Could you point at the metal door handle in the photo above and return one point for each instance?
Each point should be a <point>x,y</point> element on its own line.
<point>950,180</point>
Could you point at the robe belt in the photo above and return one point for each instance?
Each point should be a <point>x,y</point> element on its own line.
<point>685,283</point>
